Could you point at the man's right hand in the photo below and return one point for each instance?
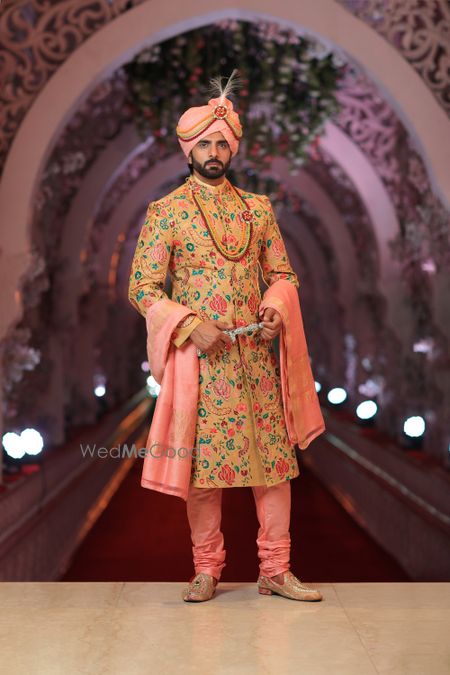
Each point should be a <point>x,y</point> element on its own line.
<point>208,336</point>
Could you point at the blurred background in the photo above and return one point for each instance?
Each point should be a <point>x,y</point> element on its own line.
<point>345,108</point>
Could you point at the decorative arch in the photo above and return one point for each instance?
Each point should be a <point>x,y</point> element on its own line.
<point>117,41</point>
<point>120,39</point>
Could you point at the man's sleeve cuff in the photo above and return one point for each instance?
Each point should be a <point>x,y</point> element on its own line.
<point>182,334</point>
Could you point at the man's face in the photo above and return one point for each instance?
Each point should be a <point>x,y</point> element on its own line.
<point>211,156</point>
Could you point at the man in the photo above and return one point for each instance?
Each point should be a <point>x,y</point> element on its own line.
<point>212,238</point>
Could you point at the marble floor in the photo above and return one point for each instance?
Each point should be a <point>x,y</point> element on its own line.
<point>65,628</point>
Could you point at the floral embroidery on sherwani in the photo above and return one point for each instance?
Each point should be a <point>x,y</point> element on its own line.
<point>241,436</point>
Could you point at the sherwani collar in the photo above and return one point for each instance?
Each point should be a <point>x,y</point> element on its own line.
<point>215,189</point>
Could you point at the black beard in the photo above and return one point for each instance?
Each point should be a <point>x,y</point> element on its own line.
<point>203,170</point>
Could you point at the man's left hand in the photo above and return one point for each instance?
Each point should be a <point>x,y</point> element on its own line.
<point>272,323</point>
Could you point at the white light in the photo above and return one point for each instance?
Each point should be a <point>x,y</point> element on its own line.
<point>318,386</point>
<point>414,426</point>
<point>29,442</point>
<point>366,363</point>
<point>154,391</point>
<point>337,395</point>
<point>153,387</point>
<point>100,390</point>
<point>424,346</point>
<point>372,386</point>
<point>366,410</point>
<point>13,445</point>
<point>429,266</point>
<point>32,441</point>
<point>145,366</point>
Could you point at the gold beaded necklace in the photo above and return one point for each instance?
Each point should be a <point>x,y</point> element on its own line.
<point>246,221</point>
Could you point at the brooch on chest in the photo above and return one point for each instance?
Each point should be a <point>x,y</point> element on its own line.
<point>245,219</point>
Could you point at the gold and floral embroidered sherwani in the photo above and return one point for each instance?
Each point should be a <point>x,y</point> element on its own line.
<point>241,436</point>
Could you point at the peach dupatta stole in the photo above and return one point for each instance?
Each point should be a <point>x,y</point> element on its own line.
<point>303,415</point>
<point>169,448</point>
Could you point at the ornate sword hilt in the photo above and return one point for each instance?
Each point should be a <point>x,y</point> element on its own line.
<point>232,332</point>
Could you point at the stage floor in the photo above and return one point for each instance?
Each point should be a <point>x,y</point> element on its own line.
<point>60,628</point>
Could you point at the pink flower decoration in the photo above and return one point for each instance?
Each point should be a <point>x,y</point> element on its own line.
<point>253,303</point>
<point>278,248</point>
<point>282,467</point>
<point>266,385</point>
<point>158,253</point>
<point>227,474</point>
<point>230,239</point>
<point>218,304</point>
<point>222,388</point>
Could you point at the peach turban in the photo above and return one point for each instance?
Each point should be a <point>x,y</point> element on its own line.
<point>200,121</point>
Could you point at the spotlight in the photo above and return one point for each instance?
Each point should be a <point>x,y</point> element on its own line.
<point>414,426</point>
<point>153,386</point>
<point>32,440</point>
<point>337,395</point>
<point>318,386</point>
<point>99,383</point>
<point>13,445</point>
<point>29,442</point>
<point>366,410</point>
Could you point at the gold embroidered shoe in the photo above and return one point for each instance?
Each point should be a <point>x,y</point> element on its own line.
<point>291,588</point>
<point>201,587</point>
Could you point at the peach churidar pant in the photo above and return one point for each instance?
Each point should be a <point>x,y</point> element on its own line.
<point>273,509</point>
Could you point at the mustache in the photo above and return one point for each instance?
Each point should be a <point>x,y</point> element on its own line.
<point>214,161</point>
